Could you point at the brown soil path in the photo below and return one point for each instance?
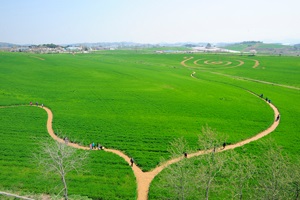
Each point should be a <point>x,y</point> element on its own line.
<point>183,62</point>
<point>196,61</point>
<point>256,64</point>
<point>241,63</point>
<point>144,179</point>
<point>37,57</point>
<point>259,81</point>
<point>239,77</point>
<point>207,62</point>
<point>15,196</point>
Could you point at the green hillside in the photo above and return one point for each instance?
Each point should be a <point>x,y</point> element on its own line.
<point>264,48</point>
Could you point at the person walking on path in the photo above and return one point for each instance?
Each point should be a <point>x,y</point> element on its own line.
<point>185,154</point>
<point>66,140</point>
<point>224,145</point>
<point>131,161</point>
<point>278,117</point>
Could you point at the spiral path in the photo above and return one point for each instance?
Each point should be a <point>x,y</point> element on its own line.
<point>226,65</point>
<point>221,64</point>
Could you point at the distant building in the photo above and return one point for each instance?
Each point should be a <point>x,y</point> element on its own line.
<point>74,49</point>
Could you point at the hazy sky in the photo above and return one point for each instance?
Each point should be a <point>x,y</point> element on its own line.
<point>149,21</point>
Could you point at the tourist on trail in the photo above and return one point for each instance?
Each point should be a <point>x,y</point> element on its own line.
<point>91,146</point>
<point>131,161</point>
<point>30,103</point>
<point>66,140</point>
<point>224,145</point>
<point>99,147</point>
<point>262,95</point>
<point>42,105</point>
<point>277,118</point>
<point>36,103</point>
<point>267,99</point>
<point>185,154</point>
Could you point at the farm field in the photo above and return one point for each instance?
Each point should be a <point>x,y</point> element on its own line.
<point>137,103</point>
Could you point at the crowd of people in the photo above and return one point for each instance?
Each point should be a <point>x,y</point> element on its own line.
<point>96,146</point>
<point>36,103</point>
<point>269,101</point>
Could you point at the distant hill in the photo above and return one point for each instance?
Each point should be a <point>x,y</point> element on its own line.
<point>264,48</point>
<point>7,45</point>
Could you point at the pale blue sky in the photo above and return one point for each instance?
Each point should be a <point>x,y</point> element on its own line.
<point>149,21</point>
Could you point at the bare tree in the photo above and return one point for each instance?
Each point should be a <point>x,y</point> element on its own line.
<point>61,159</point>
<point>243,171</point>
<point>178,178</point>
<point>212,164</point>
<point>273,179</point>
<point>294,185</point>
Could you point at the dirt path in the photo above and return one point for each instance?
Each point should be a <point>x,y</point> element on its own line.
<point>144,179</point>
<point>183,62</point>
<point>241,63</point>
<point>239,77</point>
<point>207,62</point>
<point>259,81</point>
<point>37,57</point>
<point>196,62</point>
<point>256,64</point>
<point>15,196</point>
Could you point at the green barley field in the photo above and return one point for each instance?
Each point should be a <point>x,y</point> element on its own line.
<point>136,102</point>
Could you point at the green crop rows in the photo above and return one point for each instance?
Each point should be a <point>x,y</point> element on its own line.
<point>136,103</point>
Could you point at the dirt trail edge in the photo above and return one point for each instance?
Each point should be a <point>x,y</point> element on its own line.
<point>145,178</point>
<point>15,196</point>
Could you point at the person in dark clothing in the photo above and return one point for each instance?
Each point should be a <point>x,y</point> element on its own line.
<point>131,161</point>
<point>224,145</point>
<point>278,117</point>
<point>185,154</point>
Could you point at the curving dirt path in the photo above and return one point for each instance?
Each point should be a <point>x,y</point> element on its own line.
<point>207,62</point>
<point>258,81</point>
<point>15,196</point>
<point>144,179</point>
<point>256,64</point>
<point>239,77</point>
<point>37,57</point>
<point>196,62</point>
<point>241,63</point>
<point>183,62</point>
